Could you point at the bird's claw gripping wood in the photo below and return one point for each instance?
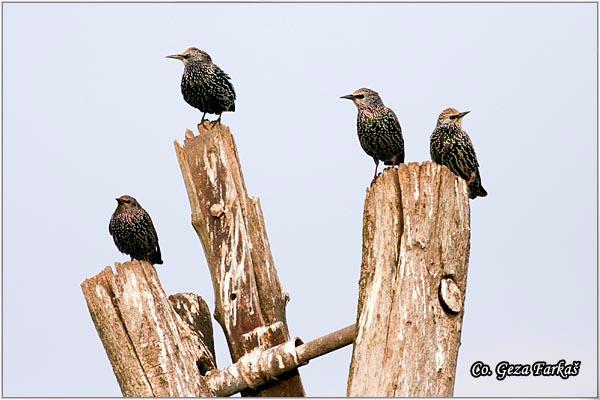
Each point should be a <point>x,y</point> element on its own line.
<point>203,125</point>
<point>216,121</point>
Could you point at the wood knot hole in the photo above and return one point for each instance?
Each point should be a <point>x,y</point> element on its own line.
<point>450,296</point>
<point>216,210</point>
<point>189,134</point>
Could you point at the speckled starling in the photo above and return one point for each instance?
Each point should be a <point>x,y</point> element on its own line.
<point>451,146</point>
<point>379,131</point>
<point>204,85</point>
<point>133,231</point>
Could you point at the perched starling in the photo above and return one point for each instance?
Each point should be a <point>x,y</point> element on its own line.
<point>133,231</point>
<point>452,147</point>
<point>204,85</point>
<point>379,131</point>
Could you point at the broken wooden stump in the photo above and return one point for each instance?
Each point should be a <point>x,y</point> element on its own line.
<point>193,310</point>
<point>152,351</point>
<point>249,299</point>
<point>412,286</point>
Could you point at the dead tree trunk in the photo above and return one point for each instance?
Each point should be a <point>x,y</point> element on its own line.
<point>412,286</point>
<point>152,351</point>
<point>249,300</point>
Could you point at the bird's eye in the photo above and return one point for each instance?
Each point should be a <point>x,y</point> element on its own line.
<point>359,96</point>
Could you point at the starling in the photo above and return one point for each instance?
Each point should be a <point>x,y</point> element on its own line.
<point>452,147</point>
<point>204,85</point>
<point>133,231</point>
<point>379,131</point>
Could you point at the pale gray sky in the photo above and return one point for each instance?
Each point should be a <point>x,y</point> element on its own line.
<point>91,108</point>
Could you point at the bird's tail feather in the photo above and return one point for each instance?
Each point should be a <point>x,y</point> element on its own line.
<point>478,191</point>
<point>156,258</point>
<point>476,188</point>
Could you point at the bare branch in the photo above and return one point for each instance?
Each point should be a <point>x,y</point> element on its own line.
<point>265,365</point>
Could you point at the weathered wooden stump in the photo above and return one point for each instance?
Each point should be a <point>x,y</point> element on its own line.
<point>412,286</point>
<point>249,299</point>
<point>153,352</point>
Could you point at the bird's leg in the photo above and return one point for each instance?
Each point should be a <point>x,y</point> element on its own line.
<point>201,121</point>
<point>376,166</point>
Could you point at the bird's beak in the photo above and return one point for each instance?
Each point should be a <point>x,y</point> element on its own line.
<point>348,96</point>
<point>459,115</point>
<point>118,200</point>
<point>176,56</point>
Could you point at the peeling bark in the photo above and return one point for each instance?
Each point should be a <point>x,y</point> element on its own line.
<point>249,299</point>
<point>413,280</point>
<point>152,351</point>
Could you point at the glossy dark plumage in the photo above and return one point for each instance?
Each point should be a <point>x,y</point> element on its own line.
<point>451,146</point>
<point>133,231</point>
<point>379,131</point>
<point>204,85</point>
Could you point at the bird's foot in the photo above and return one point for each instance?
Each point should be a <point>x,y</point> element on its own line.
<point>216,121</point>
<point>203,125</point>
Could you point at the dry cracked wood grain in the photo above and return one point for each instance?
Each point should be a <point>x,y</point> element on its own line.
<point>193,310</point>
<point>249,299</point>
<point>413,280</point>
<point>152,351</point>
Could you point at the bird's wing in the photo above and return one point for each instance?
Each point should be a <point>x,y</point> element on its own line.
<point>110,226</point>
<point>226,81</point>
<point>436,154</point>
<point>469,150</point>
<point>153,237</point>
<point>391,116</point>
